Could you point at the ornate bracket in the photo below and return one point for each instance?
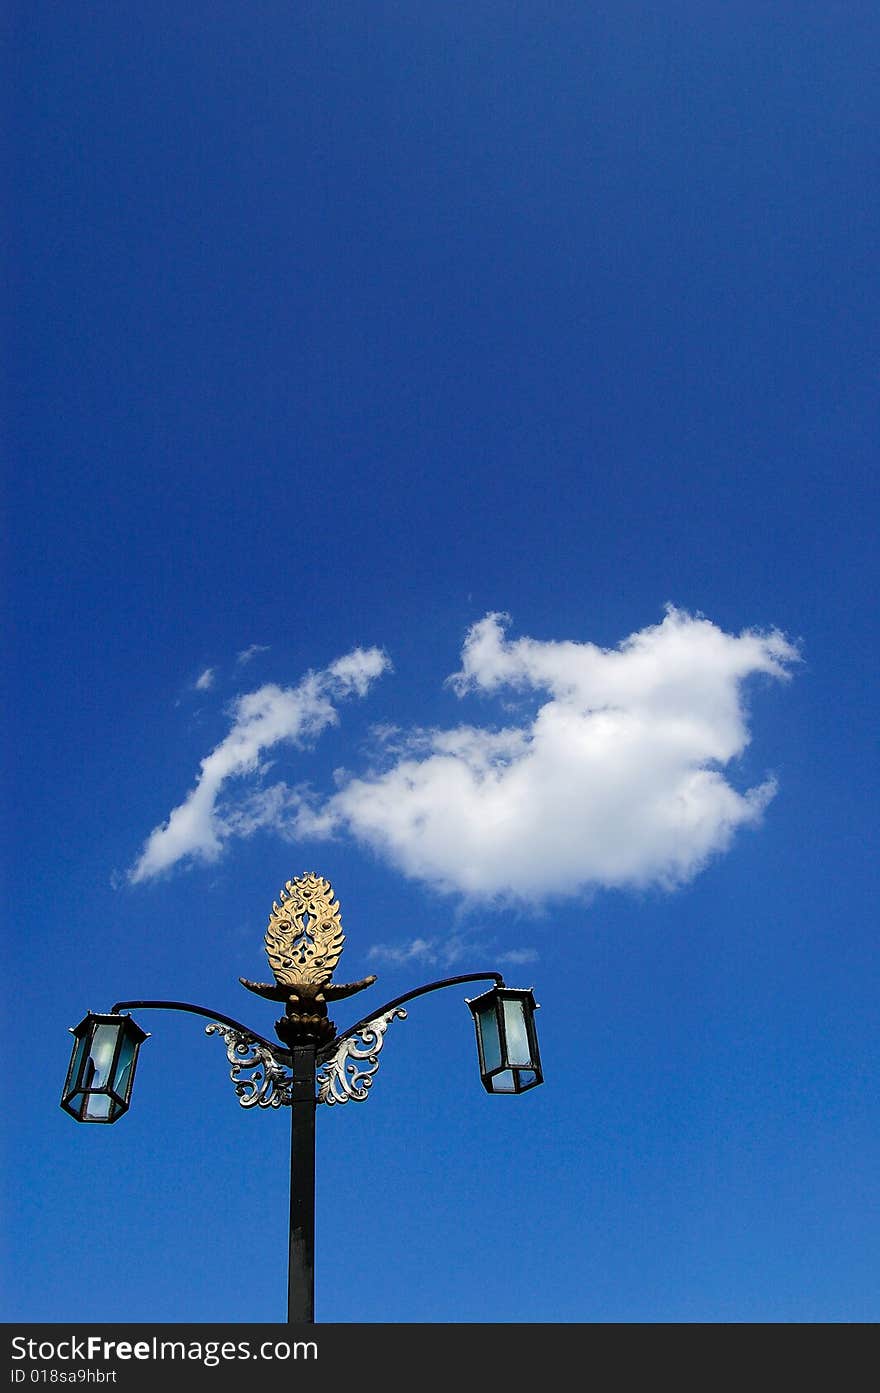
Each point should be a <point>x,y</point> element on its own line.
<point>340,1078</point>
<point>261,1081</point>
<point>268,1085</point>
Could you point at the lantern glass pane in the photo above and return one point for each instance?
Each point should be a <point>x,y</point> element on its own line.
<point>96,1107</point>
<point>101,1055</point>
<point>515,1033</point>
<point>76,1062</point>
<point>490,1038</point>
<point>504,1082</point>
<point>123,1080</point>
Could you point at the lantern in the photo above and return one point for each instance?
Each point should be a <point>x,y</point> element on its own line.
<point>101,1072</point>
<point>504,1019</point>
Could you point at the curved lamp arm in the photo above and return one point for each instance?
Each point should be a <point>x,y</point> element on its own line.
<point>355,1029</point>
<point>277,1050</point>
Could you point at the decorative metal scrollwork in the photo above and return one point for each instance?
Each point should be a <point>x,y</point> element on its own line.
<point>341,1079</point>
<point>262,1081</point>
<point>269,1083</point>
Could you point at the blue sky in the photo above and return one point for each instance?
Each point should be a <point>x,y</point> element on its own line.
<point>441,455</point>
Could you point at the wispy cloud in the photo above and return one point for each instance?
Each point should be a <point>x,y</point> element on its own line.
<point>418,950</point>
<point>612,775</point>
<point>444,952</point>
<point>247,654</point>
<point>200,826</point>
<point>205,681</point>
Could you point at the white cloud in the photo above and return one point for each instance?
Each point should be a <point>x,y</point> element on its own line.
<point>200,826</point>
<point>613,779</point>
<point>614,772</point>
<point>205,682</point>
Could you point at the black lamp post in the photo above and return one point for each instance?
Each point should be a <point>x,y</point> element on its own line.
<point>303,943</point>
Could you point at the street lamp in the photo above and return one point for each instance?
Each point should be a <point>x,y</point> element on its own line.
<point>101,1073</point>
<point>504,1019</point>
<point>314,1064</point>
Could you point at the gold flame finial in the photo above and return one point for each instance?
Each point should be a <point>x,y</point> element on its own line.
<point>304,940</point>
<point>304,937</point>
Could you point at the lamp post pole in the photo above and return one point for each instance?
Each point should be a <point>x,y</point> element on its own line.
<point>301,1251</point>
<point>314,1064</point>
